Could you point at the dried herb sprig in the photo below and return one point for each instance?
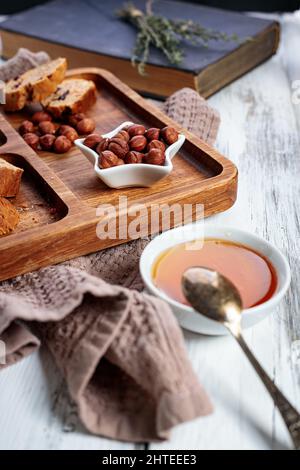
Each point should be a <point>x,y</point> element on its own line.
<point>165,34</point>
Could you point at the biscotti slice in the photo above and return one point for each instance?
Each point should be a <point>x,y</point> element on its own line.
<point>9,217</point>
<point>73,95</point>
<point>34,85</point>
<point>10,179</point>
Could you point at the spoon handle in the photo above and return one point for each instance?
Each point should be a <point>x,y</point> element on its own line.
<point>290,415</point>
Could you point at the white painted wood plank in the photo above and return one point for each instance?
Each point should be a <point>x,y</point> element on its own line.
<point>289,54</point>
<point>35,412</point>
<point>259,133</point>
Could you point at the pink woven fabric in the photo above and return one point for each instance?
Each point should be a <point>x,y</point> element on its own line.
<point>121,351</point>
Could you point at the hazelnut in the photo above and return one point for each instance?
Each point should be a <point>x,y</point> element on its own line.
<point>103,145</point>
<point>46,127</point>
<point>47,141</point>
<point>156,144</point>
<point>120,162</point>
<point>108,159</point>
<point>138,143</point>
<point>123,135</point>
<point>62,128</point>
<point>136,129</point>
<point>169,134</point>
<point>155,157</point>
<point>32,140</point>
<point>26,127</point>
<point>118,146</point>
<point>152,133</point>
<point>62,144</point>
<point>74,119</point>
<point>92,141</point>
<point>86,126</point>
<point>68,132</point>
<point>41,116</point>
<point>134,157</point>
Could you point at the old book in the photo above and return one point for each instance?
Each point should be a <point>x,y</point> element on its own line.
<point>88,33</point>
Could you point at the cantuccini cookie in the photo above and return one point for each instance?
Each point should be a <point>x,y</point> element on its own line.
<point>73,95</point>
<point>34,85</point>
<point>10,179</point>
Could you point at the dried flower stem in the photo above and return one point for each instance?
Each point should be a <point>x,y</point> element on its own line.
<point>164,34</point>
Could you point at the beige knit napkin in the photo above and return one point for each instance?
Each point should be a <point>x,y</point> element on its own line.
<point>121,352</point>
<point>24,60</point>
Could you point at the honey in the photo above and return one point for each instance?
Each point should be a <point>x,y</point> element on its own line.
<point>253,275</point>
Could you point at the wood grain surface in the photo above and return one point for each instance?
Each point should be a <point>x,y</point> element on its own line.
<point>259,132</point>
<point>201,175</point>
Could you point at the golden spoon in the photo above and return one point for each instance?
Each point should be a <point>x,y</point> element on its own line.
<point>215,297</point>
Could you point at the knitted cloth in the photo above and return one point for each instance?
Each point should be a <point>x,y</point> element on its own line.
<point>121,352</point>
<point>24,60</point>
<point>193,112</point>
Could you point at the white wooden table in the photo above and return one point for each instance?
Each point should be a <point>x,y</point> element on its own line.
<point>260,132</point>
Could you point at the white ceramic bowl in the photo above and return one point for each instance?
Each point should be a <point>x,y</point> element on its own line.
<point>134,174</point>
<point>187,316</point>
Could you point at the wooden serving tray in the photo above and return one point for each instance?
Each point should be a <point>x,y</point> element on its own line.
<point>59,194</point>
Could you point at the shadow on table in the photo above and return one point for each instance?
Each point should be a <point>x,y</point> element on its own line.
<point>228,398</point>
<point>59,399</point>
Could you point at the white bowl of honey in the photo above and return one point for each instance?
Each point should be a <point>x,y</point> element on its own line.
<point>258,269</point>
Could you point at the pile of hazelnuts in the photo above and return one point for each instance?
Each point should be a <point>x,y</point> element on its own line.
<point>133,144</point>
<point>41,133</point>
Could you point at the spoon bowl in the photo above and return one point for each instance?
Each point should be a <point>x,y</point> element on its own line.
<point>210,293</point>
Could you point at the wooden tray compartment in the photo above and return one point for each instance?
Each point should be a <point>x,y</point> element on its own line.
<point>71,191</point>
<point>36,202</point>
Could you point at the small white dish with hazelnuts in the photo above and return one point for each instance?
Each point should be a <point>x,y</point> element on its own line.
<point>132,155</point>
